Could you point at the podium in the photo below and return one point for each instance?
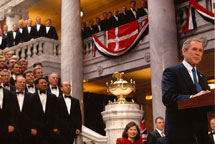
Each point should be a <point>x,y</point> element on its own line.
<point>204,100</point>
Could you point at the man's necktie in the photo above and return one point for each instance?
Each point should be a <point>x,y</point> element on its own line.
<point>162,134</point>
<point>198,87</point>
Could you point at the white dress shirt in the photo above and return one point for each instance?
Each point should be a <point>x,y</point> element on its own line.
<point>14,34</point>
<point>68,103</point>
<point>1,98</point>
<point>29,29</point>
<point>38,27</point>
<point>0,40</point>
<point>116,18</point>
<point>20,98</point>
<point>55,91</point>
<point>47,29</point>
<point>43,99</point>
<point>31,89</point>
<point>189,69</point>
<point>20,30</point>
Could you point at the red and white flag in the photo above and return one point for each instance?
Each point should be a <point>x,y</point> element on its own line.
<point>119,40</point>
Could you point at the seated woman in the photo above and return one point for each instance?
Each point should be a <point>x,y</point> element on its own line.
<point>130,135</point>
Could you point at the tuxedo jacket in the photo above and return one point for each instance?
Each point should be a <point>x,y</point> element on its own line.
<point>46,121</point>
<point>123,18</point>
<point>68,123</point>
<point>21,34</point>
<point>13,41</point>
<point>5,112</point>
<point>211,138</point>
<point>96,28</point>
<point>182,125</point>
<point>52,34</point>
<point>126,141</point>
<point>21,119</point>
<point>10,87</point>
<point>4,44</point>
<point>153,137</point>
<point>114,22</point>
<point>105,24</point>
<point>141,12</point>
<point>41,32</point>
<point>131,16</point>
<point>28,36</point>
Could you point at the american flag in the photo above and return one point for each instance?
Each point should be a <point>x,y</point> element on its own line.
<point>143,131</point>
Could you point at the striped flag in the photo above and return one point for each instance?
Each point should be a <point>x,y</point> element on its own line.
<point>143,130</point>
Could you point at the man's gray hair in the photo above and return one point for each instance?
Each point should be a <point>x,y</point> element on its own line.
<point>186,44</point>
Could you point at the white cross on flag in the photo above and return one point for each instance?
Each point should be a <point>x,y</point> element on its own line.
<point>120,39</point>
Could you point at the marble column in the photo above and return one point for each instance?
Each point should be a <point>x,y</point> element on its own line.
<point>71,46</point>
<point>163,47</point>
<point>12,19</point>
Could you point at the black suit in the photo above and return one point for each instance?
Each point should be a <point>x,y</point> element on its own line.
<point>141,12</point>
<point>40,32</point>
<point>211,138</point>
<point>114,22</point>
<point>69,122</point>
<point>104,25</point>
<point>5,116</point>
<point>44,122</point>
<point>153,137</point>
<point>28,35</point>
<point>123,18</point>
<point>10,87</point>
<point>13,41</point>
<point>20,30</point>
<point>3,44</point>
<point>52,34</point>
<point>131,16</point>
<point>183,126</point>
<point>21,119</point>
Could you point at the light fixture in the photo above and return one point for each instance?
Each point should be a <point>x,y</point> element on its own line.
<point>211,83</point>
<point>120,88</point>
<point>81,13</point>
<point>149,97</point>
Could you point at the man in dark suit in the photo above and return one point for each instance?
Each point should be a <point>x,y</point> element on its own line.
<point>16,70</point>
<point>29,31</point>
<point>212,132</point>
<point>50,31</point>
<point>182,82</point>
<point>123,17</point>
<point>132,13</point>
<point>6,126</point>
<point>39,28</point>
<point>53,85</point>
<point>143,10</point>
<point>98,27</point>
<point>21,102</point>
<point>5,74</point>
<point>70,115</point>
<point>5,30</point>
<point>3,40</point>
<point>158,132</point>
<point>30,86</point>
<point>104,22</point>
<point>13,36</point>
<point>114,20</point>
<point>20,30</point>
<point>44,114</point>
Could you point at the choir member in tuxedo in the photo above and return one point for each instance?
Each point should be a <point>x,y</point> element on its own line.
<point>70,115</point>
<point>20,30</point>
<point>212,132</point>
<point>50,31</point>
<point>44,114</point>
<point>153,137</point>
<point>10,63</point>
<point>29,77</point>
<point>98,27</point>
<point>39,28</point>
<point>83,30</point>
<point>132,14</point>
<point>16,70</point>
<point>90,29</point>
<point>143,10</point>
<point>5,74</point>
<point>38,72</point>
<point>104,22</point>
<point>5,30</point>
<point>3,40</point>
<point>123,17</point>
<point>6,125</point>
<point>29,31</point>
<point>53,84</point>
<point>24,65</point>
<point>21,102</point>
<point>2,63</point>
<point>114,20</point>
<point>13,36</point>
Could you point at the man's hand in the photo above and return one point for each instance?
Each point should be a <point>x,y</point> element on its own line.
<point>10,128</point>
<point>200,93</point>
<point>33,132</point>
<point>77,131</point>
